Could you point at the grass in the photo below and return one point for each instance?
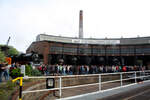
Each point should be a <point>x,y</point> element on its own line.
<point>6,90</point>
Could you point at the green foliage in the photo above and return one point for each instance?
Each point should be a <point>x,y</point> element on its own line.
<point>15,73</point>
<point>12,51</point>
<point>32,72</point>
<point>2,56</point>
<point>36,72</point>
<point>6,90</point>
<point>28,70</point>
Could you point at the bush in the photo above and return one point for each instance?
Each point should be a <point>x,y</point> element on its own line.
<point>32,72</point>
<point>28,70</point>
<point>36,72</point>
<point>15,73</point>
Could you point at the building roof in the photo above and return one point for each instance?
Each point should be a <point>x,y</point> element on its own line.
<point>102,41</point>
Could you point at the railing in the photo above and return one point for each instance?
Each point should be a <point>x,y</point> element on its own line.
<point>119,78</point>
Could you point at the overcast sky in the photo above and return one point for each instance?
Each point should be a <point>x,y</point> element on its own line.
<point>23,20</point>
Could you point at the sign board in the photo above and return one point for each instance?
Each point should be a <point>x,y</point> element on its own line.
<point>50,83</point>
<point>95,41</point>
<point>23,69</point>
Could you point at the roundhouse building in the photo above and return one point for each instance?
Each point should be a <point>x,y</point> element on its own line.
<point>92,51</point>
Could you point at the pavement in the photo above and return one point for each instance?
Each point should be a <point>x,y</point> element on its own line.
<point>139,91</point>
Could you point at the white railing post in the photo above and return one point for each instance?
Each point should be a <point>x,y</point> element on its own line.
<point>135,77</point>
<point>60,92</point>
<point>99,82</point>
<point>121,79</point>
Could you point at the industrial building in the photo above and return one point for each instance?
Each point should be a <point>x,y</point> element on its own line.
<point>91,51</point>
<point>124,51</point>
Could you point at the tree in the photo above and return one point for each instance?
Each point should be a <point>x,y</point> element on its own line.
<point>8,50</point>
<point>12,51</point>
<point>2,56</point>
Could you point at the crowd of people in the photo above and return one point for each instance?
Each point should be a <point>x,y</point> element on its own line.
<point>57,69</point>
<point>85,69</point>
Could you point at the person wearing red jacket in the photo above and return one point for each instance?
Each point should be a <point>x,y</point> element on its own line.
<point>124,68</point>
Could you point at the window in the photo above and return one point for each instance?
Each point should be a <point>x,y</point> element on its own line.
<point>56,49</point>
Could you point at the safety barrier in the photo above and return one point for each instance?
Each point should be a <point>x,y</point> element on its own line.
<point>120,77</point>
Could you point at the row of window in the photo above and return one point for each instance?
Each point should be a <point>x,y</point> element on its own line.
<point>57,49</point>
<point>143,51</point>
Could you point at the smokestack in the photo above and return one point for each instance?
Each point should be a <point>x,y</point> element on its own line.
<point>81,24</point>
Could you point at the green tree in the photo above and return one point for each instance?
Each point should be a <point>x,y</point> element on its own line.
<point>12,51</point>
<point>2,56</point>
<point>9,51</point>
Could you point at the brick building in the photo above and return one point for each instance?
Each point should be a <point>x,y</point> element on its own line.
<point>108,51</point>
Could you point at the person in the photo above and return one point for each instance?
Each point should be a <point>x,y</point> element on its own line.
<point>124,68</point>
<point>2,68</point>
<point>64,68</point>
<point>6,71</point>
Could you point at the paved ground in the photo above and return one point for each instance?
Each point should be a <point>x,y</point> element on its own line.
<point>81,90</point>
<point>86,89</point>
<point>131,92</point>
<point>141,93</point>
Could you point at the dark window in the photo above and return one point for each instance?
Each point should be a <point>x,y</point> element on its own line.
<point>69,50</point>
<point>129,50</point>
<point>56,49</point>
<point>146,50</point>
<point>85,50</point>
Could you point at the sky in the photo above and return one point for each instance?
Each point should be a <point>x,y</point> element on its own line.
<point>23,20</point>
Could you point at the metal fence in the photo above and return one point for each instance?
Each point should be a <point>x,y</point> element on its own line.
<point>100,80</point>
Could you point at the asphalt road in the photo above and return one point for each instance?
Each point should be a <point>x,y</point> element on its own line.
<point>142,93</point>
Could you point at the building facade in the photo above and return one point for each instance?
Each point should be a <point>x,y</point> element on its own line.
<point>107,51</point>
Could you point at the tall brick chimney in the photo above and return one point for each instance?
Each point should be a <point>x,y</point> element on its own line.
<point>81,24</point>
